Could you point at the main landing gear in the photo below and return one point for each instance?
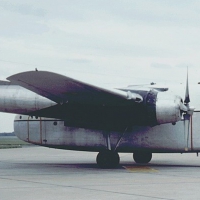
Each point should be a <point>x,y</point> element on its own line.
<point>142,157</point>
<point>108,159</point>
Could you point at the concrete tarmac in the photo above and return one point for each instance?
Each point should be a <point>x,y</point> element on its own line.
<point>42,173</point>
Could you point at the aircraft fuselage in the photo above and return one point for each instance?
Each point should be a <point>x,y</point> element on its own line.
<point>56,134</point>
<point>60,112</point>
<point>60,133</point>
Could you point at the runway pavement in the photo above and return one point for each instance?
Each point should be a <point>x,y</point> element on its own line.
<point>42,173</point>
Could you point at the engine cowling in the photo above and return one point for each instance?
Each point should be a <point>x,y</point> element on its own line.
<point>163,107</point>
<point>168,108</point>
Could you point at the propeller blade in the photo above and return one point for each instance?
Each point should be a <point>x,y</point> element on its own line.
<point>188,111</point>
<point>187,95</point>
<point>186,130</point>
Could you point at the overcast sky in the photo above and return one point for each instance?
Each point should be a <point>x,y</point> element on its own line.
<point>108,42</point>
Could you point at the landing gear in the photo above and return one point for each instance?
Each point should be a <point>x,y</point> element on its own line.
<point>142,157</point>
<point>108,159</point>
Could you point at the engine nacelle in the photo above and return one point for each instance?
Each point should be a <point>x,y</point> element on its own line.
<point>167,108</point>
<point>157,107</point>
<point>163,107</point>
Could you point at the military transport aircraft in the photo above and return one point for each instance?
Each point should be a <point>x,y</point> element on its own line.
<point>60,112</point>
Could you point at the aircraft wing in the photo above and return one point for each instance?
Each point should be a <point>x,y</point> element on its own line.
<point>62,89</point>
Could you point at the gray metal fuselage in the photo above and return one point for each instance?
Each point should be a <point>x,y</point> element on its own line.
<point>162,138</point>
<point>56,133</point>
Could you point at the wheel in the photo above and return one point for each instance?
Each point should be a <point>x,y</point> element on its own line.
<point>108,159</point>
<point>142,157</point>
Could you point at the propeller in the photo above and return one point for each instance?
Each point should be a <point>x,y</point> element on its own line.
<point>187,113</point>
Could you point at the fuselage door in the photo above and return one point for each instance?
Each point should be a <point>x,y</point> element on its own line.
<point>35,130</point>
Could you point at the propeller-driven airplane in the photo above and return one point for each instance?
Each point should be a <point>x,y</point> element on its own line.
<point>60,112</point>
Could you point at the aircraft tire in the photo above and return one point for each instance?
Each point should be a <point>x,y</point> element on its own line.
<point>108,159</point>
<point>142,157</point>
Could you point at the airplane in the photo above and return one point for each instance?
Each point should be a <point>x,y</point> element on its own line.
<point>57,111</point>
